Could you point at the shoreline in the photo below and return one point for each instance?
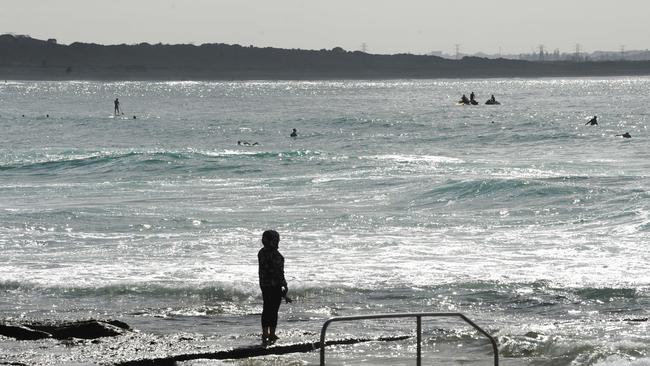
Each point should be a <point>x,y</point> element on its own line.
<point>29,73</point>
<point>90,336</point>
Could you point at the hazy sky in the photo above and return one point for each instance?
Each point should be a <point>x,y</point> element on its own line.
<point>386,26</point>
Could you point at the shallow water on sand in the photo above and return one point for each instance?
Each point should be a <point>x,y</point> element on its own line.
<point>391,199</point>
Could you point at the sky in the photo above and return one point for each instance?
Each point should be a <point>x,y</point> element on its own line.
<point>384,26</point>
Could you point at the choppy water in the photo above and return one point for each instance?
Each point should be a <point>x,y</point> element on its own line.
<point>391,199</point>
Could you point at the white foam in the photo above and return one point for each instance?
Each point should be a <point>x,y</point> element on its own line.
<point>623,361</point>
<point>431,159</point>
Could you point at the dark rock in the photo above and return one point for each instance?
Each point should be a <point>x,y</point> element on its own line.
<point>22,333</point>
<point>90,329</point>
<point>533,335</point>
<point>119,324</point>
<point>636,319</point>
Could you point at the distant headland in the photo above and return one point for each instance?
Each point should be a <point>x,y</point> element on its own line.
<point>26,58</point>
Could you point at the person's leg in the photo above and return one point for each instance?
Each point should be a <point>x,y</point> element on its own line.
<point>266,313</point>
<point>275,299</point>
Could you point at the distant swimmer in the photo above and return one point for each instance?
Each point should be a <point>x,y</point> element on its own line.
<point>625,135</point>
<point>492,101</point>
<point>472,99</point>
<point>246,143</point>
<point>294,133</point>
<point>117,106</point>
<point>134,117</point>
<point>593,121</point>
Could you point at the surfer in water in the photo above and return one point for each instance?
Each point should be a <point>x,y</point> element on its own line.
<point>625,135</point>
<point>294,133</point>
<point>272,283</point>
<point>593,121</point>
<point>117,106</point>
<point>246,143</point>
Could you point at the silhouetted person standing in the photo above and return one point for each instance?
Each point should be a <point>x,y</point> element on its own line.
<point>593,121</point>
<point>117,106</point>
<point>272,283</point>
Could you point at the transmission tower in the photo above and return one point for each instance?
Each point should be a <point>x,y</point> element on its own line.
<point>577,55</point>
<point>457,47</point>
<point>622,52</point>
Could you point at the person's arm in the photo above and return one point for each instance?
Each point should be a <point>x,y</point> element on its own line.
<point>285,288</point>
<point>281,278</point>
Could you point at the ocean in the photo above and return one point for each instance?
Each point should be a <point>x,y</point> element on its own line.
<point>391,199</point>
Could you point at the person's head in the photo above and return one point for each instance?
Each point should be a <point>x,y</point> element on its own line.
<point>294,130</point>
<point>271,238</point>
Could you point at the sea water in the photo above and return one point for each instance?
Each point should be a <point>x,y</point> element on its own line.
<point>392,198</point>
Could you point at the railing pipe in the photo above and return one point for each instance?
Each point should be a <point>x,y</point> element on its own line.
<point>419,338</point>
<point>418,316</point>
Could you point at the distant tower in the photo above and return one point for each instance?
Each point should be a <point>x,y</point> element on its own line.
<point>577,54</point>
<point>364,47</point>
<point>457,47</point>
<point>541,52</point>
<point>622,52</point>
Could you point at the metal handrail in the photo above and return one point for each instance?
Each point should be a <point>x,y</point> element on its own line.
<point>418,317</point>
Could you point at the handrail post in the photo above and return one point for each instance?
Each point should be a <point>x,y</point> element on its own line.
<point>322,341</point>
<point>419,339</point>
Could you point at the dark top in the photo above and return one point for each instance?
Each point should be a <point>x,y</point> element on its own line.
<point>271,267</point>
